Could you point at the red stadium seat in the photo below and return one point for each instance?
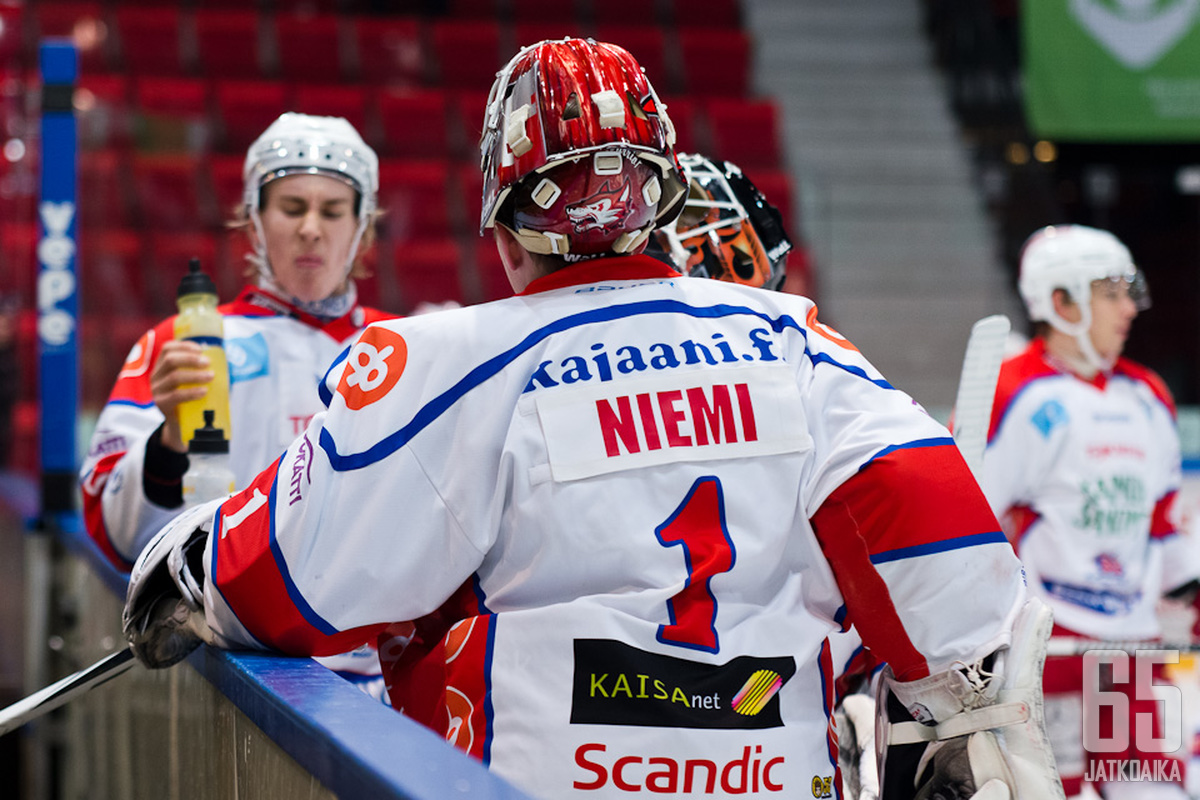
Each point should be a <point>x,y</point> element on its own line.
<point>428,271</point>
<point>467,53</point>
<point>545,11</point>
<point>473,9</point>
<point>723,14</point>
<point>683,112</point>
<point>414,197</point>
<point>413,123</point>
<point>228,43</point>
<point>468,186</point>
<point>378,289</point>
<point>623,13</point>
<point>225,184</point>
<point>389,50</point>
<point>104,190</point>
<point>102,104</point>
<point>466,120</point>
<point>18,261</point>
<point>328,100</point>
<point>171,96</point>
<point>310,6</point>
<point>83,22</point>
<point>150,40</point>
<point>715,61</point>
<point>105,340</point>
<point>25,420</point>
<point>745,132</point>
<point>532,31</point>
<point>27,357</point>
<point>167,190</point>
<point>11,23</point>
<point>246,108</point>
<point>647,43</point>
<point>231,270</point>
<point>173,114</point>
<point>170,252</point>
<point>112,279</point>
<point>309,47</point>
<point>493,280</point>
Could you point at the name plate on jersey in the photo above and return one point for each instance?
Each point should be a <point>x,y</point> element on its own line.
<point>702,415</point>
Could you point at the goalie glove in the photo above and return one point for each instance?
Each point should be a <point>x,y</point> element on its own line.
<point>980,731</point>
<point>164,604</point>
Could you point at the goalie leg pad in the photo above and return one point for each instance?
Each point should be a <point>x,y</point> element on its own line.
<point>982,729</point>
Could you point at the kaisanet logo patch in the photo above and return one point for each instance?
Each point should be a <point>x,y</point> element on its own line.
<point>616,684</point>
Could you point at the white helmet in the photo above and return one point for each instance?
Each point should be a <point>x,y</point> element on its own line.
<point>1071,257</point>
<point>305,144</point>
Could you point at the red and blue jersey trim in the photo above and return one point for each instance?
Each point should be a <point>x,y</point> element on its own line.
<point>909,501</point>
<point>828,703</point>
<point>249,572</point>
<point>434,409</point>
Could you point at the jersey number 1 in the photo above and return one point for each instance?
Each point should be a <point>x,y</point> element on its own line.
<point>698,525</point>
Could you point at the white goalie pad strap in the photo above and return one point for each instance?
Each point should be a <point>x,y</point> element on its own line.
<point>968,722</point>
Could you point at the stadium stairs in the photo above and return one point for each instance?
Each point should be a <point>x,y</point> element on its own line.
<point>907,256</point>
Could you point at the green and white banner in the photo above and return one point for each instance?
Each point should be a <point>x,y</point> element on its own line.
<point>1112,70</point>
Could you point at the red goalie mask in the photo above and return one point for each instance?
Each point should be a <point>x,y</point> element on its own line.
<point>577,151</point>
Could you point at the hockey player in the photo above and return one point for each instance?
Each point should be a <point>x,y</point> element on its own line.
<point>729,231</point>
<point>309,208</point>
<point>1083,465</point>
<point>641,502</point>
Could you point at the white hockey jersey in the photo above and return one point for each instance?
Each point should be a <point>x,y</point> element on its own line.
<point>277,356</point>
<point>602,530</point>
<point>1086,473</point>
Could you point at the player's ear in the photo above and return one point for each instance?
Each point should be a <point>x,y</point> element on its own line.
<point>519,264</point>
<point>1064,306</point>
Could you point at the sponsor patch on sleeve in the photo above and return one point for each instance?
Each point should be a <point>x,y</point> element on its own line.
<point>701,415</point>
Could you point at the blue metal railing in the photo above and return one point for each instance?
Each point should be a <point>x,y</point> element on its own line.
<point>353,744</point>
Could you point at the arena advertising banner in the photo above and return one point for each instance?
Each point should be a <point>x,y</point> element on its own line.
<point>1112,70</point>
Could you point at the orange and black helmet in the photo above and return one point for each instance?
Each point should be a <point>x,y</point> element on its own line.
<point>728,230</point>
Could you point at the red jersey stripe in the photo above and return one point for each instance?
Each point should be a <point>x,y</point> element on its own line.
<point>93,510</point>
<point>246,571</point>
<point>924,517</point>
<point>1160,523</point>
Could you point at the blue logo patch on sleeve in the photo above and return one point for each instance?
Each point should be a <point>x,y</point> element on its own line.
<point>1048,417</point>
<point>248,358</point>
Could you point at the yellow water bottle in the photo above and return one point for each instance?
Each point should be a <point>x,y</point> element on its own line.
<point>199,321</point>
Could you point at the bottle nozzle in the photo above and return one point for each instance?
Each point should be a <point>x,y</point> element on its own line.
<point>196,281</point>
<point>209,439</point>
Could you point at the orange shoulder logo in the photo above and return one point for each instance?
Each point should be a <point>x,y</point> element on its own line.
<point>821,329</point>
<point>375,363</point>
<point>138,360</point>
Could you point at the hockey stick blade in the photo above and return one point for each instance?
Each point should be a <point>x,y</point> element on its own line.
<point>977,387</point>
<point>56,694</point>
<point>1072,646</point>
